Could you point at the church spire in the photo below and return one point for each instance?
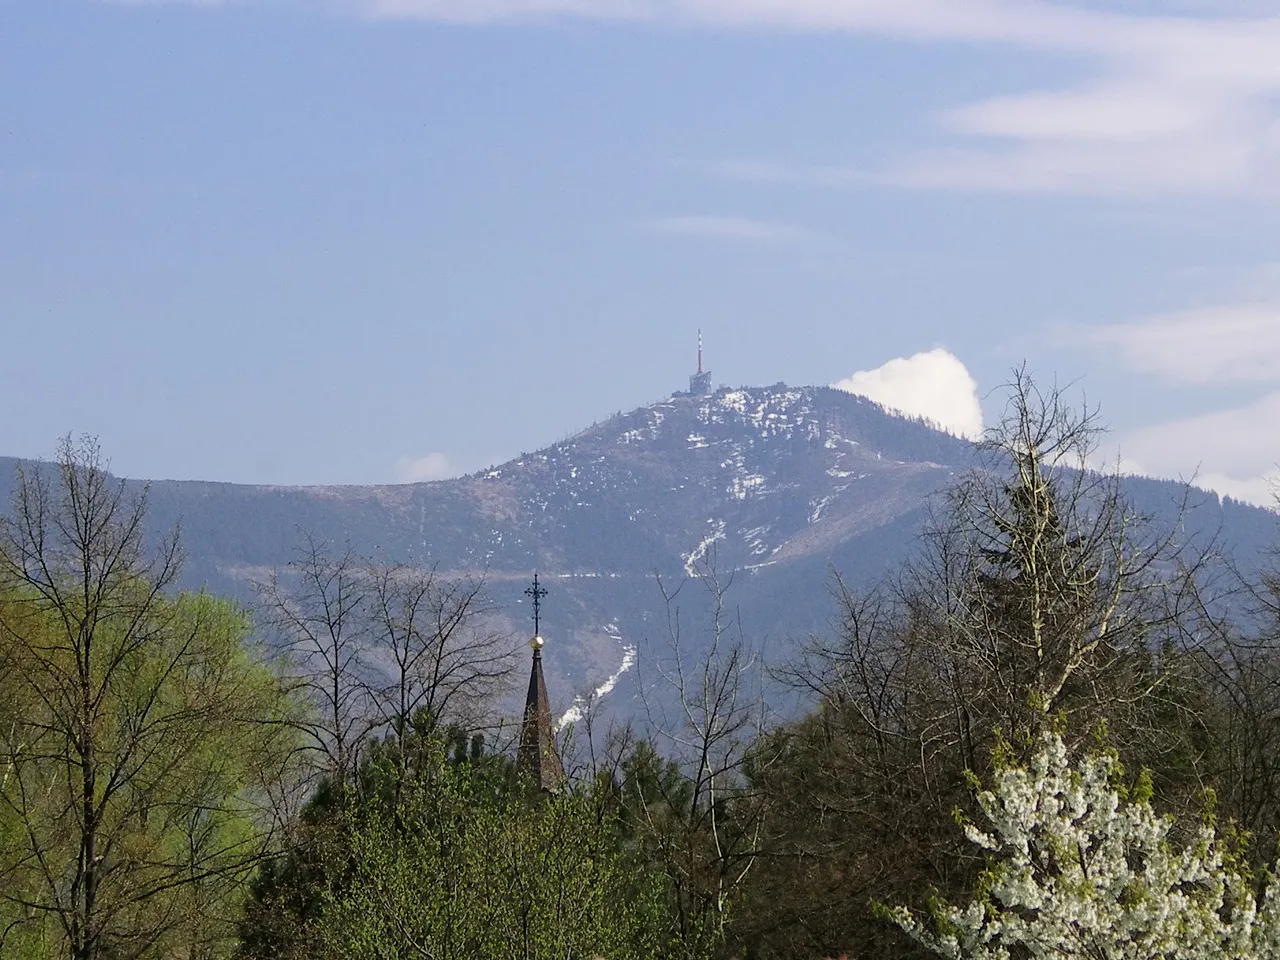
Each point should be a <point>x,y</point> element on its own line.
<point>538,756</point>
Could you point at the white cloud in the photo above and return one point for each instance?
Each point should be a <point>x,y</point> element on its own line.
<point>1170,103</point>
<point>726,228</point>
<point>1235,451</point>
<point>1260,491</point>
<point>1025,21</point>
<point>1213,344</point>
<point>495,11</point>
<point>935,385</point>
<point>1100,114</point>
<point>432,466</point>
<point>1240,441</point>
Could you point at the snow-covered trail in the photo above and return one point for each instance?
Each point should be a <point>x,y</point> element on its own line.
<point>575,712</point>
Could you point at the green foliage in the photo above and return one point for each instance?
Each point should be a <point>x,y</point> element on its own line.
<point>457,860</point>
<point>144,738</point>
<point>184,756</point>
<point>1042,607</point>
<point>700,843</point>
<point>286,894</point>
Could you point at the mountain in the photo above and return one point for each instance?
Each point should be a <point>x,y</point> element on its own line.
<point>777,485</point>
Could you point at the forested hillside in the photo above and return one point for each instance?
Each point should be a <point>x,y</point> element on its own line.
<point>330,771</point>
<point>778,486</point>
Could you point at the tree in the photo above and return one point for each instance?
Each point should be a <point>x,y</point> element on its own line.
<point>372,647</point>
<point>692,812</point>
<point>285,895</point>
<point>460,862</point>
<point>135,774</point>
<point>855,798</point>
<point>1041,589</point>
<point>429,634</point>
<point>1083,869</point>
<point>1036,589</point>
<point>318,611</point>
<point>1237,679</point>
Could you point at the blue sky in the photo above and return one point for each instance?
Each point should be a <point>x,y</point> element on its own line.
<point>379,240</point>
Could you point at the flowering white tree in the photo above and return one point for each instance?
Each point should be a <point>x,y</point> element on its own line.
<point>1079,871</point>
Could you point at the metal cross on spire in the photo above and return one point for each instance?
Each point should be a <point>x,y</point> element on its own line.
<point>537,591</point>
<point>537,754</point>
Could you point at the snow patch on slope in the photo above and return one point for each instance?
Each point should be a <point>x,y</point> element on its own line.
<point>699,553</point>
<point>578,710</point>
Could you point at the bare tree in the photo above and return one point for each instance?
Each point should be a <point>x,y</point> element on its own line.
<point>1237,679</point>
<point>376,650</point>
<point>319,610</point>
<point>707,708</point>
<point>1037,593</point>
<point>141,722</point>
<point>1041,589</point>
<point>431,636</point>
<point>856,800</point>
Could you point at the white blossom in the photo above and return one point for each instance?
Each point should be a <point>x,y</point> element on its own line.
<point>1079,872</point>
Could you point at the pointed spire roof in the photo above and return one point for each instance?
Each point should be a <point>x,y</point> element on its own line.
<point>538,755</point>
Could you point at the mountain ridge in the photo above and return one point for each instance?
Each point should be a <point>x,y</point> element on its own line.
<point>778,484</point>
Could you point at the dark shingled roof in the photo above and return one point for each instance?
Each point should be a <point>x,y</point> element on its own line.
<point>537,755</point>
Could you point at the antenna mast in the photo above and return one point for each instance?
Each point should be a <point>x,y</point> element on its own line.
<point>700,382</point>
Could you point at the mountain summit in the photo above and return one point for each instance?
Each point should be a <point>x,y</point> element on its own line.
<point>773,486</point>
<point>766,475</point>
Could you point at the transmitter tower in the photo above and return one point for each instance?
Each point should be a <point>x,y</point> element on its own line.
<point>700,382</point>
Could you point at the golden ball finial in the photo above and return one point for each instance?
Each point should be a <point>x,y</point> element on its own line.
<point>536,643</point>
